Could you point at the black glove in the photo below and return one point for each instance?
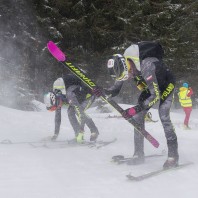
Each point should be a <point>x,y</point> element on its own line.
<point>97,91</point>
<point>108,93</point>
<point>57,91</point>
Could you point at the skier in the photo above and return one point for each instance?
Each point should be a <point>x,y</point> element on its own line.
<point>185,93</point>
<point>143,62</point>
<point>71,91</point>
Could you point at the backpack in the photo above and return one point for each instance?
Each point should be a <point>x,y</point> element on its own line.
<point>150,49</point>
<point>59,85</point>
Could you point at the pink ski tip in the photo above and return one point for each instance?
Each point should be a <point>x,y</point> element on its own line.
<point>152,140</point>
<point>156,144</point>
<point>55,51</point>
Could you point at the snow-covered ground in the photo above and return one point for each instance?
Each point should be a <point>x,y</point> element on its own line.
<point>82,172</point>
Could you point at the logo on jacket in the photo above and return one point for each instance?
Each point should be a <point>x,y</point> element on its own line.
<point>149,78</point>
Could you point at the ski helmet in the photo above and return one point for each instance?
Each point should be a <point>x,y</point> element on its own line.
<point>52,101</point>
<point>59,85</point>
<point>117,67</point>
<point>185,85</point>
<point>132,53</point>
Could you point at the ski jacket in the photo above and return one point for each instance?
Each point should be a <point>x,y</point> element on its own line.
<point>185,96</point>
<point>75,88</point>
<point>76,94</point>
<point>159,81</point>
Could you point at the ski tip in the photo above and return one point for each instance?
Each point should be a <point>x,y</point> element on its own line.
<point>55,51</point>
<point>131,177</point>
<point>153,141</point>
<point>156,144</point>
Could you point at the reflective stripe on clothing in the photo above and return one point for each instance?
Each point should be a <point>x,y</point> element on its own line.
<point>184,100</point>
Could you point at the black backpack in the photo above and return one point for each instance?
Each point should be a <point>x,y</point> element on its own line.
<point>150,49</point>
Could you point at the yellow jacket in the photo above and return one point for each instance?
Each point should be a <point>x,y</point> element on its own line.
<point>184,100</point>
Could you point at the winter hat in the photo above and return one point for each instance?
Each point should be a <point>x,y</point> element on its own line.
<point>185,85</point>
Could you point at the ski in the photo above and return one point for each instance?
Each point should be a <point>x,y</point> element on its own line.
<point>60,56</point>
<point>104,143</point>
<point>157,172</point>
<point>113,116</point>
<point>42,141</point>
<point>72,143</point>
<point>96,144</point>
<point>146,119</point>
<point>120,159</point>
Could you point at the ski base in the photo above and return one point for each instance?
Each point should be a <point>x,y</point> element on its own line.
<point>155,173</point>
<point>120,159</point>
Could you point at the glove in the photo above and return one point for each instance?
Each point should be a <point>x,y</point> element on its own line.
<point>140,83</point>
<point>97,91</point>
<point>54,137</point>
<point>57,91</point>
<point>129,113</point>
<point>108,93</point>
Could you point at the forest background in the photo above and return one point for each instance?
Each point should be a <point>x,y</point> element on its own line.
<point>89,32</point>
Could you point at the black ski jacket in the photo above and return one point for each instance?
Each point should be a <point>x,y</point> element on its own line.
<point>76,94</point>
<point>156,75</point>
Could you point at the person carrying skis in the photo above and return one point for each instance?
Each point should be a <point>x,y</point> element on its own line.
<point>71,91</point>
<point>185,93</point>
<point>143,62</point>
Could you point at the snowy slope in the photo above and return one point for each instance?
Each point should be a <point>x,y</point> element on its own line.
<point>82,172</point>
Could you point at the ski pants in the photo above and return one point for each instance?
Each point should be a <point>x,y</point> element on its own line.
<point>164,114</point>
<point>78,118</point>
<point>187,111</point>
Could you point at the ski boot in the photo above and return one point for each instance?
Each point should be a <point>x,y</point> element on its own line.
<point>186,127</point>
<point>173,156</point>
<point>93,136</point>
<point>171,162</point>
<point>136,160</point>
<point>80,137</point>
<point>54,137</point>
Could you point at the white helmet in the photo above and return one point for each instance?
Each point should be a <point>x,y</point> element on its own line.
<point>117,67</point>
<point>132,53</point>
<point>59,85</point>
<point>51,101</point>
